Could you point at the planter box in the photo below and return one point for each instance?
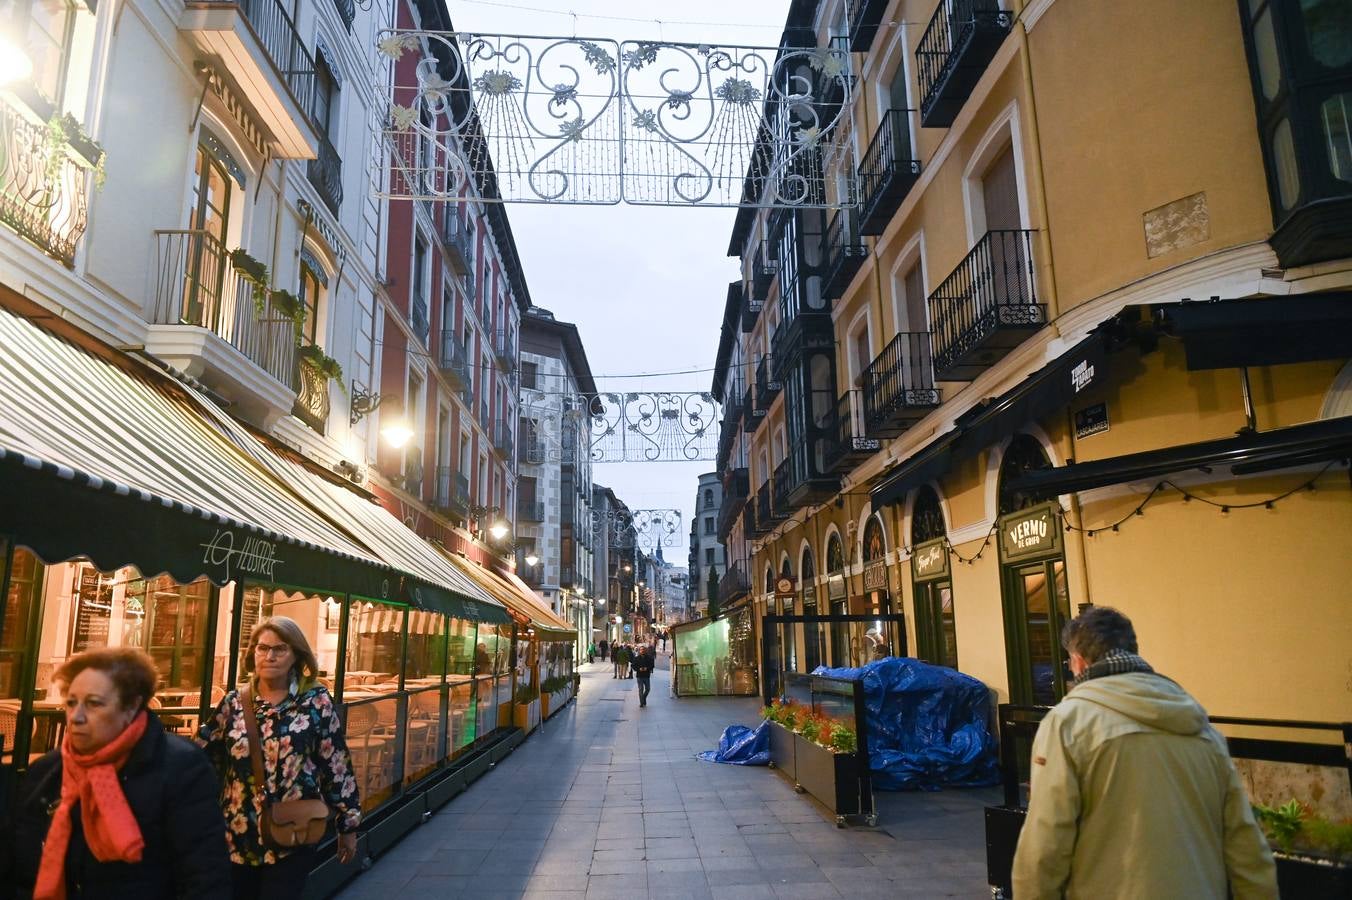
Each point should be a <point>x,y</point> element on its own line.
<point>836,779</point>
<point>526,715</point>
<point>781,749</point>
<point>1305,876</point>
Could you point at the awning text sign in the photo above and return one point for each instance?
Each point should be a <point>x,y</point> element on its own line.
<point>1031,533</point>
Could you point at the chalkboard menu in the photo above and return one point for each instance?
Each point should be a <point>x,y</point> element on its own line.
<point>93,610</point>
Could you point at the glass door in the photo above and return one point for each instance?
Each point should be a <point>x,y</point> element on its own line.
<point>935,629</point>
<point>204,272</point>
<point>1037,605</point>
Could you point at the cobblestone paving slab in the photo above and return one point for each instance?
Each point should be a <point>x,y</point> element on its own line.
<point>608,801</point>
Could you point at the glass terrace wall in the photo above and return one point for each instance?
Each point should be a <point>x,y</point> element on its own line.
<point>716,657</point>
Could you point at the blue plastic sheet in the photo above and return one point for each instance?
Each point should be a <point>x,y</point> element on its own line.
<point>741,746</point>
<point>928,726</point>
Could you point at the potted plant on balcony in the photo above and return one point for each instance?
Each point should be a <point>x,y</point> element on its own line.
<point>1313,853</point>
<point>320,362</point>
<point>288,306</point>
<point>66,138</point>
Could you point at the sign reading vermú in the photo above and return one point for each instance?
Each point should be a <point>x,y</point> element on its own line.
<point>930,560</point>
<point>1031,533</point>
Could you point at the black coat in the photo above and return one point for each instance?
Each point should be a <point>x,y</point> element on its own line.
<point>643,664</point>
<point>173,792</point>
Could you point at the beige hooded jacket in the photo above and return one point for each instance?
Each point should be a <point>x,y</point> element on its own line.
<point>1134,795</point>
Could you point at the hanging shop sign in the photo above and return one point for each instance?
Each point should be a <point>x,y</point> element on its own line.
<point>875,576</point>
<point>1029,533</point>
<point>835,587</point>
<point>784,589</point>
<point>1091,420</point>
<point>929,561</point>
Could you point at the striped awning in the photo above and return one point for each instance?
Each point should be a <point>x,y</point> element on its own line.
<point>436,584</point>
<point>548,627</point>
<point>101,460</point>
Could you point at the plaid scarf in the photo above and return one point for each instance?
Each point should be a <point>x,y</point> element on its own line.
<point>1115,662</point>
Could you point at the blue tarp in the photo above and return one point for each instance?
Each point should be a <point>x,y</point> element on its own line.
<point>742,746</point>
<point>928,726</point>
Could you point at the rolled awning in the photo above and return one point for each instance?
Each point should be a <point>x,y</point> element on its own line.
<point>101,460</point>
<point>1298,445</point>
<point>548,627</point>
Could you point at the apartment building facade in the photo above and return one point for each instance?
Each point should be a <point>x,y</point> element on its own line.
<point>707,563</point>
<point>1082,339</point>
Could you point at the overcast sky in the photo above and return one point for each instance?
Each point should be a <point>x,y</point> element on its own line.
<point>645,285</point>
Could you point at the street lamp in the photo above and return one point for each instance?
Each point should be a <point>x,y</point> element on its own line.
<point>532,560</point>
<point>499,530</point>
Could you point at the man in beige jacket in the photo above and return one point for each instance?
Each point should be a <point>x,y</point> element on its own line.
<point>1133,793</point>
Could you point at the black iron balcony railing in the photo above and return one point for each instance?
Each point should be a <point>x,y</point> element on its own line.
<point>457,236</point>
<point>736,491</point>
<point>795,337</point>
<point>758,520</point>
<point>504,349</point>
<point>886,171</point>
<point>986,307</point>
<point>528,510</point>
<point>531,450</point>
<point>807,482</point>
<point>955,50</point>
<point>453,362</point>
<point>347,11</point>
<point>843,252</point>
<point>848,446</point>
<point>196,285</point>
<point>762,276</point>
<point>753,413</point>
<point>312,394</point>
<point>731,425</point>
<point>899,385</point>
<point>277,33</point>
<point>866,17</point>
<point>779,494</point>
<point>733,585</point>
<point>326,174</point>
<point>502,440</point>
<point>748,308</point>
<point>452,491</point>
<point>42,191</point>
<point>767,388</point>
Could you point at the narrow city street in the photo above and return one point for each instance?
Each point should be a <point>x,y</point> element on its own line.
<point>609,801</point>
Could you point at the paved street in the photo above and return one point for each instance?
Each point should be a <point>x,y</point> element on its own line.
<point>609,802</point>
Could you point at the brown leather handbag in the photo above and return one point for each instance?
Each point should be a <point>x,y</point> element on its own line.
<point>289,823</point>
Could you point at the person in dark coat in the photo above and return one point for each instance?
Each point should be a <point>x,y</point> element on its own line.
<point>123,809</point>
<point>645,660</point>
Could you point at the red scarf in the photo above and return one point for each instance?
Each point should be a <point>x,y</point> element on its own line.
<point>110,829</point>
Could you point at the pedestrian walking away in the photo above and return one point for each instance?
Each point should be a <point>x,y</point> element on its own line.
<point>644,663</point>
<point>1133,794</point>
<point>604,647</point>
<point>123,808</point>
<point>306,768</point>
<point>617,659</point>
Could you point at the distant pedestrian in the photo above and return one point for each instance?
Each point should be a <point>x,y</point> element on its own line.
<point>664,642</point>
<point>591,653</point>
<point>1133,793</point>
<point>644,663</point>
<point>617,657</point>
<point>604,647</point>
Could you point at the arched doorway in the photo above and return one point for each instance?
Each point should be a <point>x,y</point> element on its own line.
<point>807,594</point>
<point>877,597</point>
<point>837,596</point>
<point>936,634</point>
<point>1033,581</point>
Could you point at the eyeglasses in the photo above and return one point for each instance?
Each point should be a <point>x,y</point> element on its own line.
<point>272,651</point>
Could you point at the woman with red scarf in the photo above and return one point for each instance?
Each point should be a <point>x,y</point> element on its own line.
<point>123,809</point>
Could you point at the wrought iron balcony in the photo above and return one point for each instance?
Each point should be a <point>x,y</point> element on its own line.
<point>758,519</point>
<point>326,174</point>
<point>986,307</point>
<point>266,58</point>
<point>502,440</point>
<point>531,450</point>
<point>753,413</point>
<point>733,585</point>
<point>762,276</point>
<point>794,337</point>
<point>886,172</point>
<point>457,237</point>
<point>312,395</point>
<point>736,491</point>
<point>843,252</point>
<point>848,446</point>
<point>732,420</point>
<point>42,190</point>
<point>899,385</point>
<point>347,11</point>
<point>452,491</point>
<point>530,510</point>
<point>767,388</point>
<point>955,50</point>
<point>748,309</point>
<point>453,363</point>
<point>197,287</point>
<point>866,17</point>
<point>504,349</point>
<point>779,492</point>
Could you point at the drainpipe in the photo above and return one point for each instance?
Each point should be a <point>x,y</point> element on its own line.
<point>1039,194</point>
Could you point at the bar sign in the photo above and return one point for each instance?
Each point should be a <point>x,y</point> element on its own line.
<point>1091,420</point>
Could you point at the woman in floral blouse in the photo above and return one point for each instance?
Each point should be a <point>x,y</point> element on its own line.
<point>304,756</point>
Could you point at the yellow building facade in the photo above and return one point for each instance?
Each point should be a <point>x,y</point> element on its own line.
<point>1084,338</point>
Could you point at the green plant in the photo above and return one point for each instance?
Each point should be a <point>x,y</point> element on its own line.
<point>844,739</point>
<point>527,693</point>
<point>288,305</point>
<point>322,363</point>
<point>1282,823</point>
<point>811,728</point>
<point>1294,826</point>
<point>63,132</point>
<point>1333,839</point>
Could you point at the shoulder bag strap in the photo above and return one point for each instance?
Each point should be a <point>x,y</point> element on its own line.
<point>255,745</point>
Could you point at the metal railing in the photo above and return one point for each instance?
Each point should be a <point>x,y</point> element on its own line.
<point>733,584</point>
<point>901,377</point>
<point>887,169</point>
<point>531,450</point>
<point>453,361</point>
<point>326,174</point>
<point>779,497</point>
<point>939,53</point>
<point>42,191</point>
<point>530,510</point>
<point>457,238</point>
<point>991,287</point>
<point>347,11</point>
<point>452,489</point>
<point>312,395</point>
<point>767,388</point>
<point>762,276</point>
<point>504,348</point>
<point>843,250</point>
<point>866,17</point>
<point>502,439</point>
<point>277,33</point>
<point>196,285</point>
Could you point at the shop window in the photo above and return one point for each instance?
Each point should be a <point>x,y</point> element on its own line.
<point>17,616</point>
<point>169,620</point>
<point>1024,454</point>
<point>927,517</point>
<point>317,616</point>
<point>375,633</point>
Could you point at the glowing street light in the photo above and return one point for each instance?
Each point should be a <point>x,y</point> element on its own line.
<point>498,530</point>
<point>532,560</point>
<point>14,63</point>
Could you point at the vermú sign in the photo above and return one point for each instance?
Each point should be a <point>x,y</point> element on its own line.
<point>1030,533</point>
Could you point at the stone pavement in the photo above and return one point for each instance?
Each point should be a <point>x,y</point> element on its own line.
<point>608,802</point>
